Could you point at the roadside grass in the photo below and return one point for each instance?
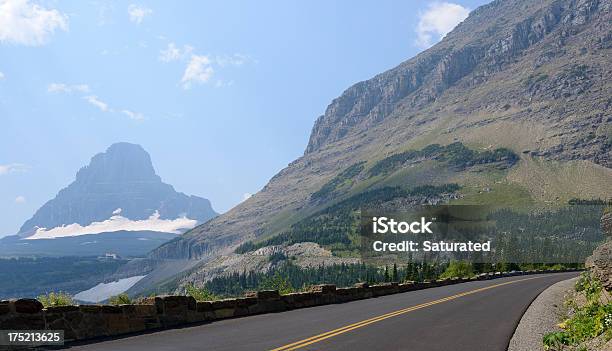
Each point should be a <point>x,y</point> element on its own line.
<point>588,319</point>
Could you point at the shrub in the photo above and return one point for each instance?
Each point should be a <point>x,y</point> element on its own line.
<point>588,322</point>
<point>460,269</point>
<point>56,299</point>
<point>555,341</point>
<point>121,299</point>
<point>199,294</point>
<point>590,287</point>
<point>277,282</point>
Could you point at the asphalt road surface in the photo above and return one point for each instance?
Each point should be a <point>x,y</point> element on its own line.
<point>472,316</point>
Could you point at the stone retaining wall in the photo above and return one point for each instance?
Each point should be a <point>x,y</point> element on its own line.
<point>161,312</point>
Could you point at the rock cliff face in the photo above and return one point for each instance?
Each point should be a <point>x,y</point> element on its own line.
<point>600,264</point>
<point>495,37</point>
<point>531,76</point>
<point>120,178</point>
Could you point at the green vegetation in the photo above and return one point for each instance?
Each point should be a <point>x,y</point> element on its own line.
<point>121,299</point>
<point>288,277</point>
<point>30,277</point>
<point>247,246</point>
<point>277,282</point>
<point>518,235</point>
<point>589,320</point>
<point>200,294</point>
<point>456,155</point>
<point>53,299</point>
<point>544,236</point>
<point>460,269</point>
<point>336,226</point>
<point>495,194</point>
<point>277,257</point>
<point>329,187</point>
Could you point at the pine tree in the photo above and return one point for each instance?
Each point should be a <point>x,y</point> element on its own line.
<point>386,274</point>
<point>394,276</point>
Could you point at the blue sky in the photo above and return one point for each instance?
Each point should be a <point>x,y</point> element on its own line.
<point>222,94</point>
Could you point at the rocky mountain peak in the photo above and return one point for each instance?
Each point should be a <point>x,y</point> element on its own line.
<point>122,181</point>
<point>122,162</point>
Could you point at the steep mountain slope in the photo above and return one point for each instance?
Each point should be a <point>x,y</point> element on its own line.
<point>513,105</point>
<point>119,181</point>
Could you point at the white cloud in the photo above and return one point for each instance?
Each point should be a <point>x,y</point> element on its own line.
<point>439,19</point>
<point>138,13</point>
<point>1,76</point>
<point>137,116</point>
<point>67,88</point>
<point>92,99</point>
<point>174,53</point>
<point>116,223</point>
<point>171,53</point>
<point>199,70</point>
<point>232,60</point>
<point>22,22</point>
<point>12,168</point>
<point>20,199</point>
<point>246,196</point>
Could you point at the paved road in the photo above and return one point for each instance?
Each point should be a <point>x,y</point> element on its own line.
<point>472,316</point>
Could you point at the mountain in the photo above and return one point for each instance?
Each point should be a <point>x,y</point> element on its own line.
<point>513,106</point>
<point>120,178</point>
<point>117,193</point>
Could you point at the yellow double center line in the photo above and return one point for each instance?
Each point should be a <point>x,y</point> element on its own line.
<point>320,337</point>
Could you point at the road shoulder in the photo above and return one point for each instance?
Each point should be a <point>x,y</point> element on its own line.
<point>541,317</point>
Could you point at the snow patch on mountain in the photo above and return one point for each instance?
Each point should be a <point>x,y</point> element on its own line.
<point>116,223</point>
